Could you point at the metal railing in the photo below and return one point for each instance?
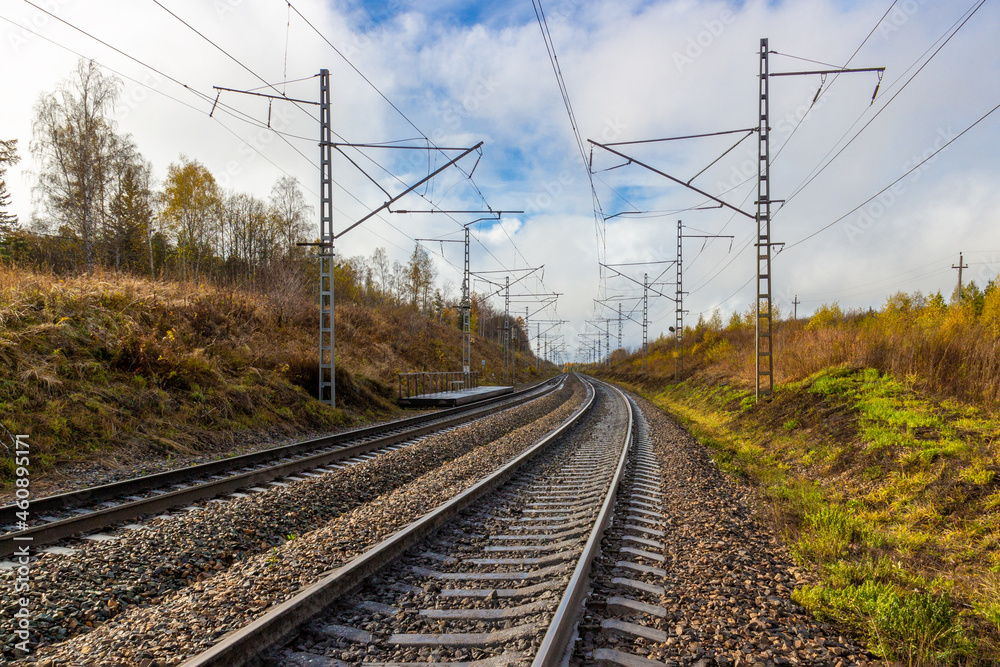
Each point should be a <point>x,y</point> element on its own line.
<point>415,384</point>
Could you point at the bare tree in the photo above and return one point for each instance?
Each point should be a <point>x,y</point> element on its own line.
<point>254,233</point>
<point>400,281</point>
<point>292,212</point>
<point>382,271</point>
<point>75,143</point>
<point>8,157</point>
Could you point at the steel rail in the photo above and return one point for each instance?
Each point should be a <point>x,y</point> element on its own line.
<point>245,646</point>
<point>99,519</point>
<point>557,639</point>
<point>71,499</point>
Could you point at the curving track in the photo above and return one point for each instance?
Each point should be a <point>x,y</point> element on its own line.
<point>498,575</point>
<point>611,539</point>
<point>67,515</point>
<point>624,614</point>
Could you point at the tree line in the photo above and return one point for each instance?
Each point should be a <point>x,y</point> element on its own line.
<point>376,281</point>
<point>97,205</point>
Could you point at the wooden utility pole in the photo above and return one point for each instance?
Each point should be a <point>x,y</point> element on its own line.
<point>961,265</point>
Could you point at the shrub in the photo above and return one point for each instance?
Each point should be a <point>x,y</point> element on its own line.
<point>915,628</point>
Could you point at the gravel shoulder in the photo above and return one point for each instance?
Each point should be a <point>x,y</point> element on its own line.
<point>729,576</point>
<point>170,591</point>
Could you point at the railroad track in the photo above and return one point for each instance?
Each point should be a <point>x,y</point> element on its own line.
<point>624,617</point>
<point>499,574</point>
<point>76,513</point>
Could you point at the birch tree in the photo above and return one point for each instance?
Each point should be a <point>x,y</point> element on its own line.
<point>292,212</point>
<point>75,144</point>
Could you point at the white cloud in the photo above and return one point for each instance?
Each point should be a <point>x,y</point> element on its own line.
<point>633,70</point>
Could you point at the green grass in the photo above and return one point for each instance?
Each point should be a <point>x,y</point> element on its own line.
<point>887,494</point>
<point>915,628</point>
<point>829,533</point>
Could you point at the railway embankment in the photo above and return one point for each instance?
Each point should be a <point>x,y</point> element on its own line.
<point>109,372</point>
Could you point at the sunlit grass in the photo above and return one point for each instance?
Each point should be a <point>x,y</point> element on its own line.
<point>915,628</point>
<point>904,540</point>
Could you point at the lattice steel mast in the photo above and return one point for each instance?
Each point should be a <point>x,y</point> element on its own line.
<point>679,312</point>
<point>466,312</point>
<point>327,364</point>
<point>645,317</point>
<point>764,328</point>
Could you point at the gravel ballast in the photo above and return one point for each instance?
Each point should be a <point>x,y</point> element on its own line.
<point>117,466</point>
<point>412,588</point>
<point>373,499</point>
<point>729,576</point>
<point>71,594</point>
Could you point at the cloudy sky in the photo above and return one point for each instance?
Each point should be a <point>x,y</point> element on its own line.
<point>460,72</point>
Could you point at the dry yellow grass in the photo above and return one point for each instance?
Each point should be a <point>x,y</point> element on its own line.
<point>950,351</point>
<point>109,361</point>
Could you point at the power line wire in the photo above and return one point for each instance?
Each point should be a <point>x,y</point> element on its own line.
<point>954,31</point>
<point>94,60</point>
<point>403,115</point>
<point>599,219</point>
<point>377,90</point>
<point>155,70</point>
<point>907,173</point>
<point>967,15</point>
<point>297,105</point>
<point>774,158</point>
<point>229,110</point>
<point>822,91</point>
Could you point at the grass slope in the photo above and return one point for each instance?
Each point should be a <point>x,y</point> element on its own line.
<point>891,496</point>
<point>114,365</point>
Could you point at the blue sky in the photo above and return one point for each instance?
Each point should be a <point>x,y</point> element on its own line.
<point>465,72</point>
<point>453,12</point>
